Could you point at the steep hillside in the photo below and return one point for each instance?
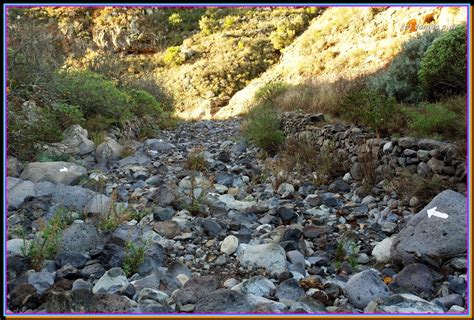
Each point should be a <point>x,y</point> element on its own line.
<point>346,43</point>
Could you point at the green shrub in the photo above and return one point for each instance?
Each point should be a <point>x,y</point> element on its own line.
<point>443,67</point>
<point>286,32</point>
<point>29,128</point>
<point>269,91</point>
<point>93,94</point>
<point>68,115</point>
<point>369,108</point>
<point>142,103</point>
<point>173,56</point>
<point>262,127</point>
<point>175,19</point>
<point>435,119</point>
<point>208,25</point>
<point>400,80</point>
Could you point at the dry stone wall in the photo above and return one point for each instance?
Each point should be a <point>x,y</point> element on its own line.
<point>424,157</point>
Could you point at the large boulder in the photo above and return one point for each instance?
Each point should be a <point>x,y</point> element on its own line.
<point>108,151</point>
<point>56,172</point>
<point>431,237</point>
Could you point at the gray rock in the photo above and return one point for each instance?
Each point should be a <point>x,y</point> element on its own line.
<point>81,284</point>
<point>14,167</point>
<point>56,172</point>
<point>258,285</point>
<point>75,142</point>
<point>269,256</point>
<point>139,160</point>
<point>407,143</point>
<point>286,190</point>
<point>95,270</point>
<point>430,144</point>
<point>417,278</point>
<point>339,186</point>
<point>195,289</point>
<point>108,151</point>
<point>448,301</point>
<point>365,286</point>
<point>79,237</point>
<point>19,247</point>
<point>18,191</point>
<point>287,215</point>
<point>294,256</point>
<point>356,171</point>
<point>98,204</point>
<point>434,237</point>
<point>402,303</point>
<point>164,196</point>
<point>152,294</point>
<point>158,145</point>
<point>223,301</point>
<point>238,148</point>
<point>76,259</point>
<point>211,227</point>
<point>423,169</point>
<point>168,229</point>
<point>313,200</point>
<point>436,165</point>
<point>41,281</point>
<point>289,289</point>
<point>226,179</point>
<point>112,281</point>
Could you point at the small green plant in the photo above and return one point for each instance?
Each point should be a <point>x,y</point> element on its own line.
<point>195,160</point>
<point>435,119</point>
<point>268,92</point>
<point>369,108</point>
<point>346,250</point>
<point>134,257</point>
<point>262,127</point>
<point>98,137</point>
<point>443,67</point>
<point>46,242</point>
<point>208,25</point>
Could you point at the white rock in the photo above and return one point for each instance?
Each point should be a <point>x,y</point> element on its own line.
<point>231,203</point>
<point>229,245</point>
<point>381,251</point>
<point>18,247</point>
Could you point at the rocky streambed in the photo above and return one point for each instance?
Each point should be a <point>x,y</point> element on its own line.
<point>145,234</point>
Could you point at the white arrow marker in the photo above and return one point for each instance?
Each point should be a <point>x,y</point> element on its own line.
<point>433,212</point>
<point>63,169</point>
